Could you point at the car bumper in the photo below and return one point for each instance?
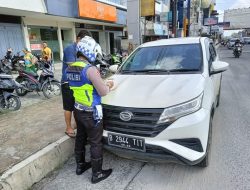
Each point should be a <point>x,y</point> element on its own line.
<point>165,146</point>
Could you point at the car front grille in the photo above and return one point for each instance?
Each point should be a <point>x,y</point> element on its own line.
<point>143,122</point>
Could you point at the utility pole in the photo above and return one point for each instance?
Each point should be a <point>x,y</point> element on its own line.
<point>174,17</point>
<point>140,32</point>
<point>188,17</point>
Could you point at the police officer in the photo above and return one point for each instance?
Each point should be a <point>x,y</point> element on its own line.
<point>88,87</point>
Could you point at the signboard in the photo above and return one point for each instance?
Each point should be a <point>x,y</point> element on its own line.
<point>225,25</point>
<point>121,17</point>
<point>96,10</point>
<point>166,16</point>
<point>89,26</point>
<point>35,46</point>
<point>170,26</point>
<point>210,21</point>
<point>147,8</point>
<point>215,28</point>
<point>158,30</point>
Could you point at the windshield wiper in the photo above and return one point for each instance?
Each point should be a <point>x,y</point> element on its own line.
<point>145,71</point>
<point>183,70</point>
<point>159,71</point>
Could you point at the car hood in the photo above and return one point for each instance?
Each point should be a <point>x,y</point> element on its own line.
<point>154,91</point>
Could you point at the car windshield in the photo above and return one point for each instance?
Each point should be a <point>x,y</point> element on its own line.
<point>170,58</point>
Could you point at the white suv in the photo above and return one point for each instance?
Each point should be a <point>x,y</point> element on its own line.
<point>163,102</point>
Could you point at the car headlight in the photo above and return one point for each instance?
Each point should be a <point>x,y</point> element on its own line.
<point>175,112</point>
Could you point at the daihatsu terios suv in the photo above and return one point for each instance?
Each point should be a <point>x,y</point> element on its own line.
<point>163,102</point>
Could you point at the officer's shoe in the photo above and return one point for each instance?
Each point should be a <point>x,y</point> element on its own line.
<point>82,167</point>
<point>98,173</point>
<point>99,176</point>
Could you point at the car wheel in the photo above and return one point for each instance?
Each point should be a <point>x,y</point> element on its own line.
<point>204,163</point>
<point>218,96</point>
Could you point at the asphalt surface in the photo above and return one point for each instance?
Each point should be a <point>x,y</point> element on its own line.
<point>229,167</point>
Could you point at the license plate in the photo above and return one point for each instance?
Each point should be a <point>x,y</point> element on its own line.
<point>123,141</point>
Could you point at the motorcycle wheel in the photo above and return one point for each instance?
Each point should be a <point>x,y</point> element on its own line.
<point>13,103</point>
<point>52,89</point>
<point>21,91</point>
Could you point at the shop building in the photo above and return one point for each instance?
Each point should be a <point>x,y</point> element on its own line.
<point>147,20</point>
<point>11,24</point>
<point>57,22</point>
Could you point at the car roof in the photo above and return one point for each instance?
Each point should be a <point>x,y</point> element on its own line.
<point>173,41</point>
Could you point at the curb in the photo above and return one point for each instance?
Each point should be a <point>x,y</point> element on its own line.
<point>34,168</point>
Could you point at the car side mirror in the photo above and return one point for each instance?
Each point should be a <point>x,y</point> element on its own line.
<point>218,67</point>
<point>113,68</point>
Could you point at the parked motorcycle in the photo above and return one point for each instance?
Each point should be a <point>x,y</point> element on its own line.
<point>113,59</point>
<point>33,82</point>
<point>8,100</point>
<point>5,67</point>
<point>12,63</point>
<point>237,51</point>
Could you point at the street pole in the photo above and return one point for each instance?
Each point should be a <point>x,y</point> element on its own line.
<point>188,17</point>
<point>140,33</point>
<point>174,17</point>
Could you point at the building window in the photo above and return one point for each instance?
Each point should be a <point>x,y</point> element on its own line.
<point>39,34</point>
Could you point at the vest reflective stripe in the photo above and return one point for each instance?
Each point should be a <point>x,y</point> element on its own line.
<point>83,90</point>
<point>78,64</point>
<point>83,94</point>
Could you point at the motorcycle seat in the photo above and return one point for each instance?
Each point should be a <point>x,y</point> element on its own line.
<point>5,76</point>
<point>31,73</point>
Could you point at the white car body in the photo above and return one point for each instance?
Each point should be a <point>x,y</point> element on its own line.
<point>165,91</point>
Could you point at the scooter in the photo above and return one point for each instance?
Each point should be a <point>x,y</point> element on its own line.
<point>237,51</point>
<point>9,100</point>
<point>33,82</point>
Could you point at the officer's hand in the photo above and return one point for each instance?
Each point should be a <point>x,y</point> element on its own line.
<point>110,84</point>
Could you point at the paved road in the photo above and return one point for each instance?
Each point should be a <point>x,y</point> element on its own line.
<point>229,168</point>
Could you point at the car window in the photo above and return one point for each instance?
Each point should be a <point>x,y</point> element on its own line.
<point>171,57</point>
<point>212,56</point>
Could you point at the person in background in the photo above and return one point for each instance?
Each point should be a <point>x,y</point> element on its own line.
<point>237,43</point>
<point>88,88</point>
<point>130,48</point>
<point>9,54</point>
<point>29,61</point>
<point>69,56</point>
<point>46,53</point>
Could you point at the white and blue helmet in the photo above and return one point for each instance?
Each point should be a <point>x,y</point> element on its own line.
<point>89,48</point>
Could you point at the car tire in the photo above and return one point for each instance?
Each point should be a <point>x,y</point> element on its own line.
<point>205,162</point>
<point>218,96</point>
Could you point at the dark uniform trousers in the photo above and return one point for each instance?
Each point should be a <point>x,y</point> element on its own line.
<point>86,129</point>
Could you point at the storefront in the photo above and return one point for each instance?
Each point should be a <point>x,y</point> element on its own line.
<point>11,35</point>
<point>57,34</point>
<point>110,19</point>
<point>11,25</point>
<point>57,22</point>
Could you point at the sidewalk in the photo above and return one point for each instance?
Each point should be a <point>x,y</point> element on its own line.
<point>32,140</point>
<point>25,132</point>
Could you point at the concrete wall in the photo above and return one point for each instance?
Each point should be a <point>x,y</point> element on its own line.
<point>47,22</point>
<point>238,18</point>
<point>67,8</point>
<point>133,21</point>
